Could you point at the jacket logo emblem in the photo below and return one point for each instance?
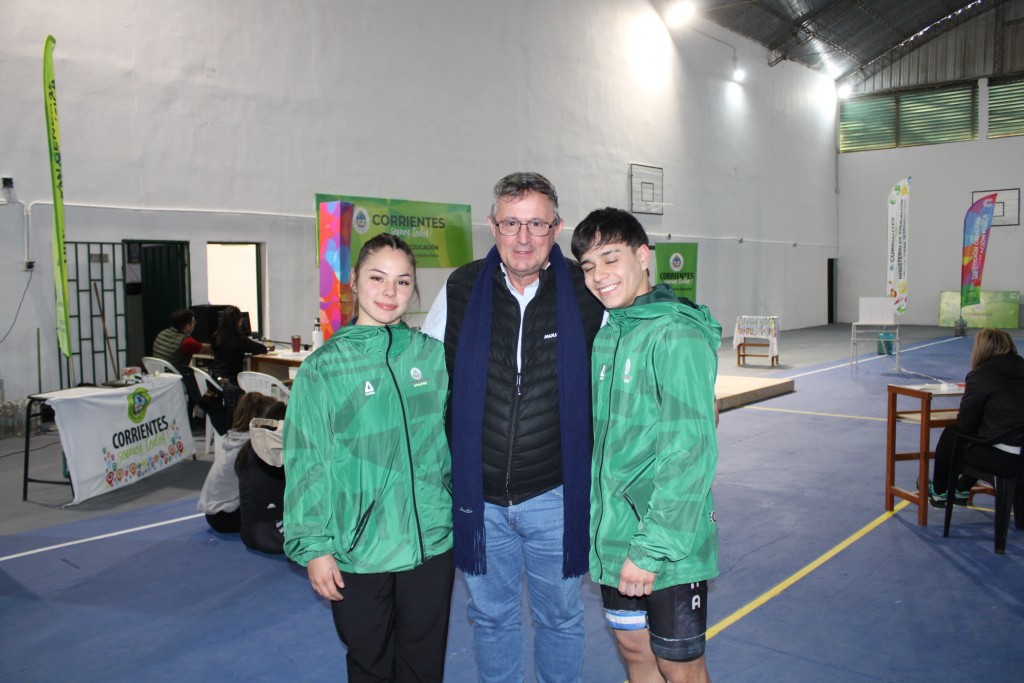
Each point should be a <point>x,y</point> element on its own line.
<point>600,377</point>
<point>551,335</point>
<point>626,377</point>
<point>369,391</point>
<point>417,378</point>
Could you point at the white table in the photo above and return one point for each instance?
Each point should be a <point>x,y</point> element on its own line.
<point>112,437</point>
<point>764,327</point>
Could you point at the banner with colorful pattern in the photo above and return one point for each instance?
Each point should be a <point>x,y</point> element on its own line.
<point>899,219</point>
<point>440,236</point>
<point>977,223</point>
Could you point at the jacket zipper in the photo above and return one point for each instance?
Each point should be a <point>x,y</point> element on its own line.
<point>408,444</point>
<point>512,435</point>
<point>361,526</point>
<point>600,468</point>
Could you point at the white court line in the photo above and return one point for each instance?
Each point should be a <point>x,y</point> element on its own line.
<point>99,538</point>
<point>868,360</point>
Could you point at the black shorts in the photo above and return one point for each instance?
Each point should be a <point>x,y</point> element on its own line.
<point>677,617</point>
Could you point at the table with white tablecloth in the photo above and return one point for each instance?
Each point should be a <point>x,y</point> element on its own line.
<point>113,437</point>
<point>764,327</point>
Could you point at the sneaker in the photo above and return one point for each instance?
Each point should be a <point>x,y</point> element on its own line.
<point>961,498</point>
<point>937,500</point>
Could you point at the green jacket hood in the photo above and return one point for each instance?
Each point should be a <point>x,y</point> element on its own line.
<point>660,301</point>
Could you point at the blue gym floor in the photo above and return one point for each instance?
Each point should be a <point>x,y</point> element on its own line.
<point>817,582</point>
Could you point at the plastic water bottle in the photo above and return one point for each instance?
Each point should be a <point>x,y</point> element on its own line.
<point>318,335</point>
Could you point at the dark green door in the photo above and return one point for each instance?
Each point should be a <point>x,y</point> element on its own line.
<point>165,285</point>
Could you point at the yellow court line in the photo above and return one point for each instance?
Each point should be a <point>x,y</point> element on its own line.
<point>811,412</point>
<point>780,587</point>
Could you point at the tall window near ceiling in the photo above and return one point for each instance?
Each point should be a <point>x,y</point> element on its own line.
<point>905,119</point>
<point>1005,108</point>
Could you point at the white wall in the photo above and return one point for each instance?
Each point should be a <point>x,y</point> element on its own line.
<point>942,180</point>
<point>217,112</point>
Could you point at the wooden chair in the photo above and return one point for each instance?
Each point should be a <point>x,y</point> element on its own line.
<point>965,461</point>
<point>207,383</point>
<point>267,385</point>
<point>154,365</point>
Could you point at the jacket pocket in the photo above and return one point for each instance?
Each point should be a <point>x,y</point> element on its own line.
<point>361,526</point>
<point>637,491</point>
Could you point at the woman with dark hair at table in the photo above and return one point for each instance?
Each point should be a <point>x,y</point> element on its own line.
<point>230,346</point>
<point>261,491</point>
<point>992,405</point>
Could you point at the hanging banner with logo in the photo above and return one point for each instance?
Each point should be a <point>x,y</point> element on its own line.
<point>976,232</point>
<point>440,236</point>
<point>114,437</point>
<point>676,266</point>
<point>899,218</point>
<point>60,263</point>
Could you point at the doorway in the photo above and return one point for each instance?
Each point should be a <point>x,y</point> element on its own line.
<point>233,277</point>
<point>157,283</point>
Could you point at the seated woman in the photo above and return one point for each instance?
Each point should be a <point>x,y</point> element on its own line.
<point>261,489</point>
<point>219,498</point>
<point>991,406</point>
<point>230,345</point>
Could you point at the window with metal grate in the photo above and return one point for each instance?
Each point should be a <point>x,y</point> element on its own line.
<point>1005,108</point>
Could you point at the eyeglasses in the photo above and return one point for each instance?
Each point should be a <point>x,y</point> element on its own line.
<point>534,226</point>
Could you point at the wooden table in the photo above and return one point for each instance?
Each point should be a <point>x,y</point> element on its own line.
<point>927,417</point>
<point>278,363</point>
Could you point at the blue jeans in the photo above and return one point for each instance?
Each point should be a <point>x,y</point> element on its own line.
<point>528,535</point>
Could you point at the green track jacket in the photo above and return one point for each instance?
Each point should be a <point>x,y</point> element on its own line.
<point>365,453</point>
<point>655,451</point>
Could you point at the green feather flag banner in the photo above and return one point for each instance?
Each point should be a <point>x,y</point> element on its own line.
<point>60,263</point>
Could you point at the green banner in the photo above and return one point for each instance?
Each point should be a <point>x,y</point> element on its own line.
<point>60,263</point>
<point>676,264</point>
<point>995,309</point>
<point>440,235</point>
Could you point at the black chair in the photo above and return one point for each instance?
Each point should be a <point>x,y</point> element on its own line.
<point>977,457</point>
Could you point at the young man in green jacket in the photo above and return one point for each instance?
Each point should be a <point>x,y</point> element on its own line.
<point>654,540</point>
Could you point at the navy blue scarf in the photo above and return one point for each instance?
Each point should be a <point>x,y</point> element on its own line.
<point>469,386</point>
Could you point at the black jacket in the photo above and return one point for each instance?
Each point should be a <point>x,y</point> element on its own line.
<point>522,451</point>
<point>993,400</point>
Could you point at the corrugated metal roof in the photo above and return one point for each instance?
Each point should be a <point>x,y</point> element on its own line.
<point>861,38</point>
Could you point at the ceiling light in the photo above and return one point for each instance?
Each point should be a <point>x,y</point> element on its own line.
<point>844,91</point>
<point>738,74</point>
<point>680,13</point>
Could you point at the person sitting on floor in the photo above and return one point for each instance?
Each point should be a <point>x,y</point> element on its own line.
<point>990,407</point>
<point>261,486</point>
<point>219,499</point>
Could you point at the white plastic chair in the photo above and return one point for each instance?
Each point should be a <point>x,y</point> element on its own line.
<point>205,382</point>
<point>154,365</point>
<point>268,385</point>
<point>876,314</point>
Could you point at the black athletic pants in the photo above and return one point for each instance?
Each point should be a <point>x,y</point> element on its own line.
<point>395,624</point>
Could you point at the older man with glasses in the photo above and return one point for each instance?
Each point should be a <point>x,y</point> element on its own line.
<point>517,328</point>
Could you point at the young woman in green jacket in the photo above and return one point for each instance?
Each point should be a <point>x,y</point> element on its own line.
<point>368,493</point>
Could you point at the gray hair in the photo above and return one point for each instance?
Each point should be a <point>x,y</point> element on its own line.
<point>515,185</point>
